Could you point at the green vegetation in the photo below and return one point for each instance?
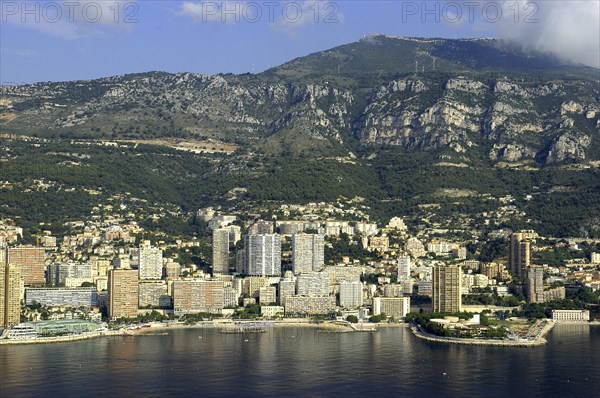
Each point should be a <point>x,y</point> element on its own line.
<point>248,312</point>
<point>58,181</point>
<point>490,299</point>
<point>577,299</point>
<point>352,318</point>
<point>191,319</point>
<point>342,246</point>
<point>489,331</point>
<point>153,316</point>
<point>377,318</point>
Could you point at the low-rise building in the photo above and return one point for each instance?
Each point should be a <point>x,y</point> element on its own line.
<point>396,307</point>
<point>62,297</point>
<point>571,315</point>
<point>309,305</point>
<point>272,311</point>
<point>267,295</point>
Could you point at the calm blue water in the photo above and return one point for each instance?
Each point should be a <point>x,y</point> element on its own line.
<point>302,362</point>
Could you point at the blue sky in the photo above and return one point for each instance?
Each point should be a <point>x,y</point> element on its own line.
<point>85,39</point>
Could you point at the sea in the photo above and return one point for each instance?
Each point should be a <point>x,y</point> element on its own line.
<point>302,362</point>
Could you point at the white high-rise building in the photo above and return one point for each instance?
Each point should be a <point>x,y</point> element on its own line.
<point>151,265</point>
<point>262,255</point>
<point>308,252</point>
<point>396,307</point>
<point>220,252</point>
<point>351,294</point>
<point>404,266</point>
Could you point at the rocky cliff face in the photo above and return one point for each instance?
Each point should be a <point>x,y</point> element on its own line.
<point>548,118</point>
<point>515,121</point>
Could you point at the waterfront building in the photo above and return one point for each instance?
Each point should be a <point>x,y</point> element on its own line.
<point>62,296</point>
<point>351,294</point>
<point>31,261</point>
<point>571,315</point>
<point>196,296</point>
<point>309,305</point>
<point>123,292</point>
<point>220,251</point>
<point>396,307</point>
<point>10,295</point>
<point>272,311</point>
<point>534,287</point>
<point>447,289</point>
<point>308,252</point>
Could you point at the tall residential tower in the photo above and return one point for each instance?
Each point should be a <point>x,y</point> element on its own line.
<point>447,284</point>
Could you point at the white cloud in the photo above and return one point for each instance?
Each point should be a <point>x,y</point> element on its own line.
<point>24,53</point>
<point>568,29</point>
<point>296,14</point>
<point>72,19</point>
<point>282,15</point>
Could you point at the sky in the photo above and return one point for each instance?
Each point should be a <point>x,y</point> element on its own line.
<point>87,39</point>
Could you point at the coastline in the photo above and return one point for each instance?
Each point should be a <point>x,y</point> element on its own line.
<point>222,325</point>
<point>538,340</point>
<point>327,327</point>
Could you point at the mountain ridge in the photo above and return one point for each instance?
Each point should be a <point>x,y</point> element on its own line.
<point>355,120</point>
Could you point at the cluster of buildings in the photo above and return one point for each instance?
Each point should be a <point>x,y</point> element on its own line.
<point>128,279</point>
<point>532,276</point>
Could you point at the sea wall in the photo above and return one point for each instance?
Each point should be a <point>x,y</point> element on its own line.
<point>539,340</point>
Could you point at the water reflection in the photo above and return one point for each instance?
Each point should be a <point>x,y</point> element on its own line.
<point>302,362</point>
